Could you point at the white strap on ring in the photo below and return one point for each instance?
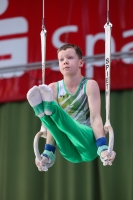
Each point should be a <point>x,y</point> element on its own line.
<point>107,126</point>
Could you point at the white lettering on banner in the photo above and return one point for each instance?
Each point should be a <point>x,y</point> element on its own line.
<point>128,46</point>
<point>16,48</point>
<point>15,25</point>
<point>91,41</point>
<point>56,35</point>
<point>3,6</point>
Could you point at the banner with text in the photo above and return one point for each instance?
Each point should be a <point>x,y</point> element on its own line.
<point>79,22</point>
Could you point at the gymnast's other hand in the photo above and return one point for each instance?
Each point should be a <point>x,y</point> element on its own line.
<point>106,158</point>
<point>42,165</point>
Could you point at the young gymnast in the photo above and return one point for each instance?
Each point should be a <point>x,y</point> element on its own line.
<point>70,111</point>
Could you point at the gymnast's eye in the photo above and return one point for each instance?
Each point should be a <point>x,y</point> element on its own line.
<point>61,59</point>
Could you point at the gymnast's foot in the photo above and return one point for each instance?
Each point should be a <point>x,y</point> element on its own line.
<point>35,100</point>
<point>47,97</point>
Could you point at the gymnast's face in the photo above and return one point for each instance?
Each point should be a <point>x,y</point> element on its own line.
<point>69,62</point>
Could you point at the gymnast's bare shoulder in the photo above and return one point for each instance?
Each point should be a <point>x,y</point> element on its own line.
<point>53,86</point>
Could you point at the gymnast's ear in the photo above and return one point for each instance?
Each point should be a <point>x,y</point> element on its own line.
<point>81,63</point>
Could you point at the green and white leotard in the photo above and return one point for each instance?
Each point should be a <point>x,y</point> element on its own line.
<point>75,105</point>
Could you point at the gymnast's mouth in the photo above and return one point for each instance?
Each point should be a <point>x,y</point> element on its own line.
<point>66,68</point>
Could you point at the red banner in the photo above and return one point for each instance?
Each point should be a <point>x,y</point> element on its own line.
<point>79,22</point>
